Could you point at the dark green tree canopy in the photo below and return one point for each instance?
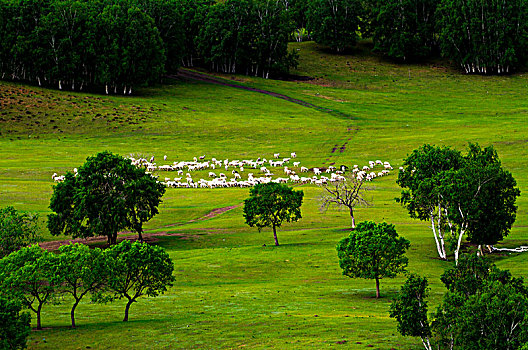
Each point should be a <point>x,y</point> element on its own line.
<point>247,36</point>
<point>373,251</point>
<point>108,195</point>
<point>468,194</point>
<point>17,229</point>
<point>484,36</point>
<point>137,269</point>
<point>269,205</point>
<point>14,325</point>
<point>409,309</point>
<point>484,308</point>
<point>334,23</point>
<point>89,44</point>
<point>405,30</point>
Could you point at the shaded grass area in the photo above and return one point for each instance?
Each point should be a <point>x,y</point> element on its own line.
<point>233,287</point>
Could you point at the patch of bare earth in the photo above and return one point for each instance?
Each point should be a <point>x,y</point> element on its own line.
<point>147,237</point>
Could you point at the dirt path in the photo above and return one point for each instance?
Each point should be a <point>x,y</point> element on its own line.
<point>193,75</point>
<point>148,237</point>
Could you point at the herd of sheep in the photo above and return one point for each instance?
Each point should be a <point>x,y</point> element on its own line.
<point>228,173</point>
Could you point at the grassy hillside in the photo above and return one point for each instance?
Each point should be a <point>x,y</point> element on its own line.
<point>233,288</point>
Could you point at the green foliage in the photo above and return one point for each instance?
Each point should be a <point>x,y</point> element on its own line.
<point>14,325</point>
<point>486,37</point>
<point>17,230</point>
<point>484,308</point>
<point>373,251</point>
<point>469,194</point>
<point>249,36</point>
<point>334,23</point>
<point>193,13</point>
<point>482,196</point>
<point>79,44</point>
<point>409,308</point>
<point>405,30</point>
<point>137,269</point>
<point>80,270</point>
<point>269,205</point>
<point>27,274</point>
<point>108,195</point>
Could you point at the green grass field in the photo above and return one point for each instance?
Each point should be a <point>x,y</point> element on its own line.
<point>233,288</point>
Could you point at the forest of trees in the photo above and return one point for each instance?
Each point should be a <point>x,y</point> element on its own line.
<point>115,45</point>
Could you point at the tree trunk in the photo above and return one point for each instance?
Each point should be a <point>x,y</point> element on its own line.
<point>140,236</point>
<point>275,235</point>
<point>39,326</point>
<point>377,288</point>
<point>127,307</point>
<point>352,217</point>
<point>72,313</point>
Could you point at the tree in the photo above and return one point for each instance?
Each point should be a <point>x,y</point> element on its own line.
<point>373,251</point>
<point>137,269</point>
<point>348,193</point>
<point>482,198</point>
<point>269,205</point>
<point>108,195</point>
<point>409,309</point>
<point>420,179</point>
<point>17,229</point>
<point>334,23</point>
<point>405,30</point>
<point>80,270</point>
<point>484,36</point>
<point>14,325</point>
<point>484,308</point>
<point>28,275</point>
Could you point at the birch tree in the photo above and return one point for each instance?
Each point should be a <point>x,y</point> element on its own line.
<point>405,30</point>
<point>482,196</point>
<point>423,171</point>
<point>484,36</point>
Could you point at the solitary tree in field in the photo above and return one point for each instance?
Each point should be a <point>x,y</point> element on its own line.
<point>269,205</point>
<point>108,195</point>
<point>137,269</point>
<point>17,229</point>
<point>348,193</point>
<point>373,251</point>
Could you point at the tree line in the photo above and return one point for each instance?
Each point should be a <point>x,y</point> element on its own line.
<point>481,36</point>
<point>116,45</point>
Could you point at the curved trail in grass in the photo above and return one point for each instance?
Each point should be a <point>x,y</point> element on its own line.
<point>189,74</point>
<point>148,237</point>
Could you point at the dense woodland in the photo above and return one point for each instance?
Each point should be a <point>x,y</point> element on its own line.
<point>119,44</point>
